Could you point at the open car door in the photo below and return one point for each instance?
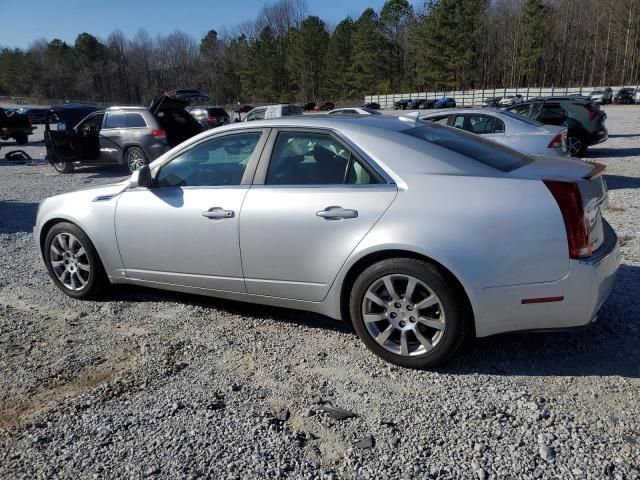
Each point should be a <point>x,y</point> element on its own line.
<point>59,144</point>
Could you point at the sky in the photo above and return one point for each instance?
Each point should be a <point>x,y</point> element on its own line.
<point>22,22</point>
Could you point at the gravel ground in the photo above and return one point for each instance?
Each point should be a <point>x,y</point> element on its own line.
<point>154,384</point>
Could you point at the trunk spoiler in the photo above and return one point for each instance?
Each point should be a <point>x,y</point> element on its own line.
<point>598,170</point>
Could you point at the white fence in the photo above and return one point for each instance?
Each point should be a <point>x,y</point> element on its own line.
<point>468,98</point>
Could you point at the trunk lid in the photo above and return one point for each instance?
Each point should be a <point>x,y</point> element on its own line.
<point>587,176</point>
<point>177,100</point>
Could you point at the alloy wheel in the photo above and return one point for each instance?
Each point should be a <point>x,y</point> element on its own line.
<point>403,315</point>
<point>69,261</point>
<point>135,159</point>
<point>574,145</point>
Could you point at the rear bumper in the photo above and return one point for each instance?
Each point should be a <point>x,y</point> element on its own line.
<point>583,290</point>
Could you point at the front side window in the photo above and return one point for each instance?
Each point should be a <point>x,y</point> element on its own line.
<point>256,115</point>
<point>315,159</point>
<point>115,120</point>
<point>91,124</point>
<point>217,162</point>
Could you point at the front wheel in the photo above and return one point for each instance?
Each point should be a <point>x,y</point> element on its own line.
<point>72,261</point>
<point>407,312</point>
<point>63,167</point>
<point>135,158</point>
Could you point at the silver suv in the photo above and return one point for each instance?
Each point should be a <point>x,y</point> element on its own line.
<point>127,136</point>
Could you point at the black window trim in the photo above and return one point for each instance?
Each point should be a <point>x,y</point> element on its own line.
<point>368,164</point>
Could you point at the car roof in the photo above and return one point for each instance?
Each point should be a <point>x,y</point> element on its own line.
<point>386,122</point>
<point>131,108</point>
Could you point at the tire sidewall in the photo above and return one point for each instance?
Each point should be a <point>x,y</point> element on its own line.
<point>446,292</point>
<point>68,167</point>
<point>96,275</point>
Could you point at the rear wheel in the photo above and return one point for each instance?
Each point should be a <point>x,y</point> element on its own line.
<point>407,312</point>
<point>63,167</point>
<point>575,146</point>
<point>72,261</point>
<point>134,158</point>
<point>21,138</point>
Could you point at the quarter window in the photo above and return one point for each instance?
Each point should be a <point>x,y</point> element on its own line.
<point>315,159</point>
<point>217,162</point>
<point>134,120</point>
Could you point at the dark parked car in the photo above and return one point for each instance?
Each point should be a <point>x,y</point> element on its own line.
<point>491,102</point>
<point>445,102</point>
<point>36,115</point>
<point>625,96</point>
<point>427,104</point>
<point>402,104</point>
<point>584,119</point>
<point>210,117</point>
<point>326,106</point>
<point>16,126</point>
<point>308,106</point>
<point>127,136</point>
<point>372,105</point>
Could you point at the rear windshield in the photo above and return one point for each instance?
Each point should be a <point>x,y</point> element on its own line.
<point>472,146</point>
<point>520,118</point>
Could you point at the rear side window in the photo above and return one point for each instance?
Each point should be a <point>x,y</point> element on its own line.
<point>134,120</point>
<point>315,159</point>
<point>471,146</point>
<point>114,120</point>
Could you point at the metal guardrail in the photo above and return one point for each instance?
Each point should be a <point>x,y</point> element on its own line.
<point>469,98</point>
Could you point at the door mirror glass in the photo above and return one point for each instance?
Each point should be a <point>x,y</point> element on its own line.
<point>141,178</point>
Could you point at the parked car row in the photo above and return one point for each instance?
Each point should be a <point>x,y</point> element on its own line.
<point>424,104</point>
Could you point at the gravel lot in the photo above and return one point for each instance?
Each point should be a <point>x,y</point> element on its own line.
<point>154,384</point>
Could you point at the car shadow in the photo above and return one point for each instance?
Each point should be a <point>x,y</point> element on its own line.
<point>16,217</point>
<point>611,152</point>
<point>107,171</point>
<point>608,347</point>
<point>624,135</point>
<point>618,182</point>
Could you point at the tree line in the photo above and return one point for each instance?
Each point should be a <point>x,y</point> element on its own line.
<point>288,55</point>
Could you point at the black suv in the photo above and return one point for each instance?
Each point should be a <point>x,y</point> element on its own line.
<point>211,117</point>
<point>625,95</point>
<point>584,119</point>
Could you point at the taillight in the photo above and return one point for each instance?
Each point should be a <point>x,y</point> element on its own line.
<point>568,198</point>
<point>593,110</point>
<point>557,141</point>
<point>212,119</point>
<point>159,133</point>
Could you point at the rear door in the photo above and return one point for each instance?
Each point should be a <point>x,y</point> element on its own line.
<point>112,136</point>
<point>312,202</point>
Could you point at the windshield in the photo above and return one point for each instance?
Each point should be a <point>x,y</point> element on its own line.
<point>520,118</point>
<point>472,146</point>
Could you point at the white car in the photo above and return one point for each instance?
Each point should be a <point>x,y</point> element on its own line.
<point>511,100</point>
<point>273,111</point>
<point>507,128</point>
<point>354,111</point>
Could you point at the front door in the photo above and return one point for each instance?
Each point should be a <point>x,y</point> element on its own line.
<point>184,230</point>
<point>317,201</point>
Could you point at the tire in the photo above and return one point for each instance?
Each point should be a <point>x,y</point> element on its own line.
<point>63,167</point>
<point>21,138</point>
<point>441,324</point>
<point>575,146</point>
<point>134,158</point>
<point>72,262</point>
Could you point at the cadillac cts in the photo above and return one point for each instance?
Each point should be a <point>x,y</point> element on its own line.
<point>417,234</point>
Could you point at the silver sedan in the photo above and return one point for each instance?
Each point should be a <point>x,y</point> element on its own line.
<point>418,234</point>
<point>508,128</point>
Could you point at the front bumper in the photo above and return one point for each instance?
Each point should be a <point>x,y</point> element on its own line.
<point>584,290</point>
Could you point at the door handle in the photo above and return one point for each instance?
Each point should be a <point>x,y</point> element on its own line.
<point>218,213</point>
<point>337,213</point>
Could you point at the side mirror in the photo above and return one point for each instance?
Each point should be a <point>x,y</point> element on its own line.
<point>141,178</point>
<point>61,127</point>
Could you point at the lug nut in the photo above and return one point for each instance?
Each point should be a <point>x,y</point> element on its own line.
<point>409,307</point>
<point>397,305</point>
<point>393,315</point>
<point>402,324</point>
<point>412,319</point>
